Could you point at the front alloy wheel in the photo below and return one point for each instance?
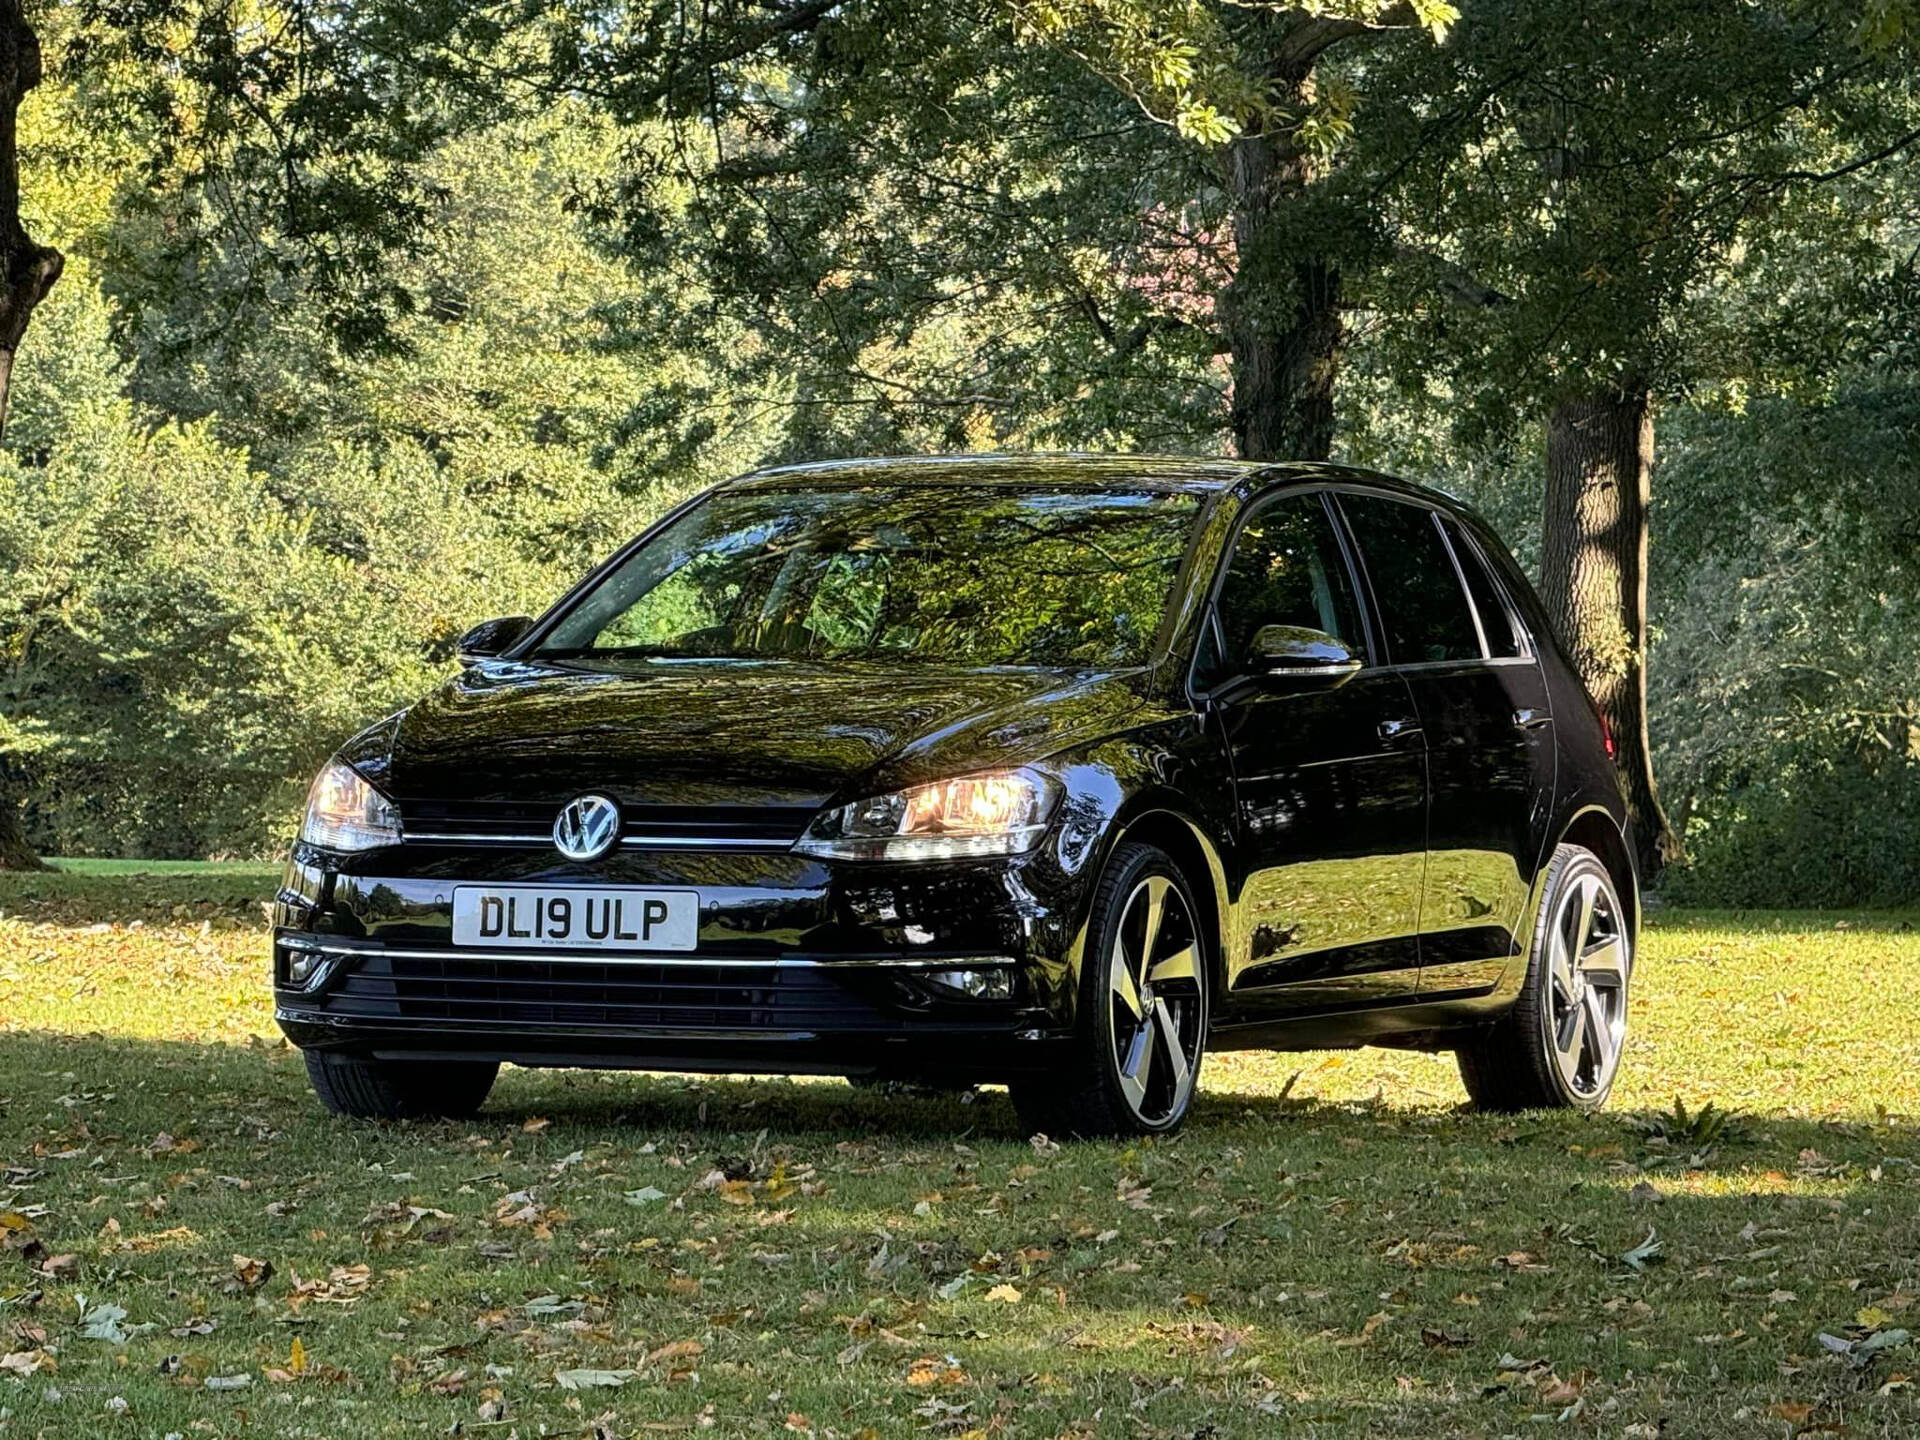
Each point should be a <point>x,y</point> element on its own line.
<point>1560,1044</point>
<point>1153,991</point>
<point>1143,1010</point>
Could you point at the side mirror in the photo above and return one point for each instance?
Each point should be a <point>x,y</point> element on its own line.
<point>490,637</point>
<point>1294,652</point>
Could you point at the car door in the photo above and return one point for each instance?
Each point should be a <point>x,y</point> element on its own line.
<point>1329,781</point>
<point>1456,639</point>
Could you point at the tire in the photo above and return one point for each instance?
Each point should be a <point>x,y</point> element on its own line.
<point>1158,1028</point>
<point>1559,1046</point>
<point>400,1089</point>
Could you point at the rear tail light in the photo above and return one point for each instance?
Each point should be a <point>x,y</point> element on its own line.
<point>1606,737</point>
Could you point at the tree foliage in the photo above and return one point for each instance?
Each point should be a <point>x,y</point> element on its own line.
<point>383,317</point>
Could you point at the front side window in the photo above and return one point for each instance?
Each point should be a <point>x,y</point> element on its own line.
<point>963,575</point>
<point>1415,586</point>
<point>1286,569</point>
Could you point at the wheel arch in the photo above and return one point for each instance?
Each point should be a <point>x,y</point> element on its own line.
<point>1594,829</point>
<point>1185,843</point>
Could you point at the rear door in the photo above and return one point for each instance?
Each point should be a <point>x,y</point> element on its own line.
<point>1329,782</point>
<point>1456,639</point>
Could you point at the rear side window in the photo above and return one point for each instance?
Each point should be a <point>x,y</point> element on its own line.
<point>1422,607</point>
<point>1496,621</point>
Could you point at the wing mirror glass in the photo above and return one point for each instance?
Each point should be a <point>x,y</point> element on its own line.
<point>490,638</point>
<point>1296,653</point>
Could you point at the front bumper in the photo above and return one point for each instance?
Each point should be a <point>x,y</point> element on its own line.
<point>961,970</point>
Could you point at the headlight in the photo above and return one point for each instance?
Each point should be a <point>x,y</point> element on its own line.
<point>996,814</point>
<point>344,812</point>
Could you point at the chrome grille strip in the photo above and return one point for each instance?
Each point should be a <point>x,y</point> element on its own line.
<point>677,958</point>
<point>653,842</point>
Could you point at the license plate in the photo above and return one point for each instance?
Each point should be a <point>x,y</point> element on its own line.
<point>575,917</point>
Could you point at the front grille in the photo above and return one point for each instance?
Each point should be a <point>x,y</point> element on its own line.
<point>510,820</point>
<point>514,994</point>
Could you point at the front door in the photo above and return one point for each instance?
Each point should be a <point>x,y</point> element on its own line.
<point>1483,704</point>
<point>1329,782</point>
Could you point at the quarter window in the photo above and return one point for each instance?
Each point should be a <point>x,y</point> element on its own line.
<point>1422,607</point>
<point>1496,622</point>
<point>1287,569</point>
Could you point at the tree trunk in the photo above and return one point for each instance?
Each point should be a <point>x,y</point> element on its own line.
<point>27,273</point>
<point>15,852</point>
<point>1593,578</point>
<point>1281,314</point>
<point>27,269</point>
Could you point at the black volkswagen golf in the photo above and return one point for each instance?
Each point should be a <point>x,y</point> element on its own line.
<point>1055,772</point>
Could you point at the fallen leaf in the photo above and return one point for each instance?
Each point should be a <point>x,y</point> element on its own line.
<point>591,1379</point>
<point>1643,1254</point>
<point>929,1370</point>
<point>102,1322</point>
<point>249,1273</point>
<point>1555,1391</point>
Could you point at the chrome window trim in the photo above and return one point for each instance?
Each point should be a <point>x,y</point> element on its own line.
<point>1483,663</point>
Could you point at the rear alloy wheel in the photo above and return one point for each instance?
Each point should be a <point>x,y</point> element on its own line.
<point>1560,1045</point>
<point>1143,1011</point>
<point>400,1089</point>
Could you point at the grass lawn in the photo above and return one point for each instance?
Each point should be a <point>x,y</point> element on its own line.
<point>193,1247</point>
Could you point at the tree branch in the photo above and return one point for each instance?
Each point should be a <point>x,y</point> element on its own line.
<point>1456,282</point>
<point>739,46</point>
<point>1315,35</point>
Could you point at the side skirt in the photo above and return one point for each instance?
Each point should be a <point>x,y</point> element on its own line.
<point>1434,1022</point>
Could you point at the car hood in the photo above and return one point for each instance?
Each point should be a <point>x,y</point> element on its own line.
<point>729,733</point>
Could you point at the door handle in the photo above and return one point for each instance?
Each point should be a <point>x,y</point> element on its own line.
<point>1398,729</point>
<point>1528,718</point>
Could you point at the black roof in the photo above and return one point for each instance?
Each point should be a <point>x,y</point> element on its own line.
<point>1192,473</point>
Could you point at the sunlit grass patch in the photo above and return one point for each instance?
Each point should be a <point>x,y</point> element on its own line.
<point>666,1254</point>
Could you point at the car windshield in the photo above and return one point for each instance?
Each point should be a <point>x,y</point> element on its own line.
<point>963,575</point>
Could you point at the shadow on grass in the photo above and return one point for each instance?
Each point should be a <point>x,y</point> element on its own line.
<point>1388,1265</point>
<point>171,1077</point>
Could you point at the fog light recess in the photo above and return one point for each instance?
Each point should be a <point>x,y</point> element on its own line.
<point>301,965</point>
<point>994,984</point>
